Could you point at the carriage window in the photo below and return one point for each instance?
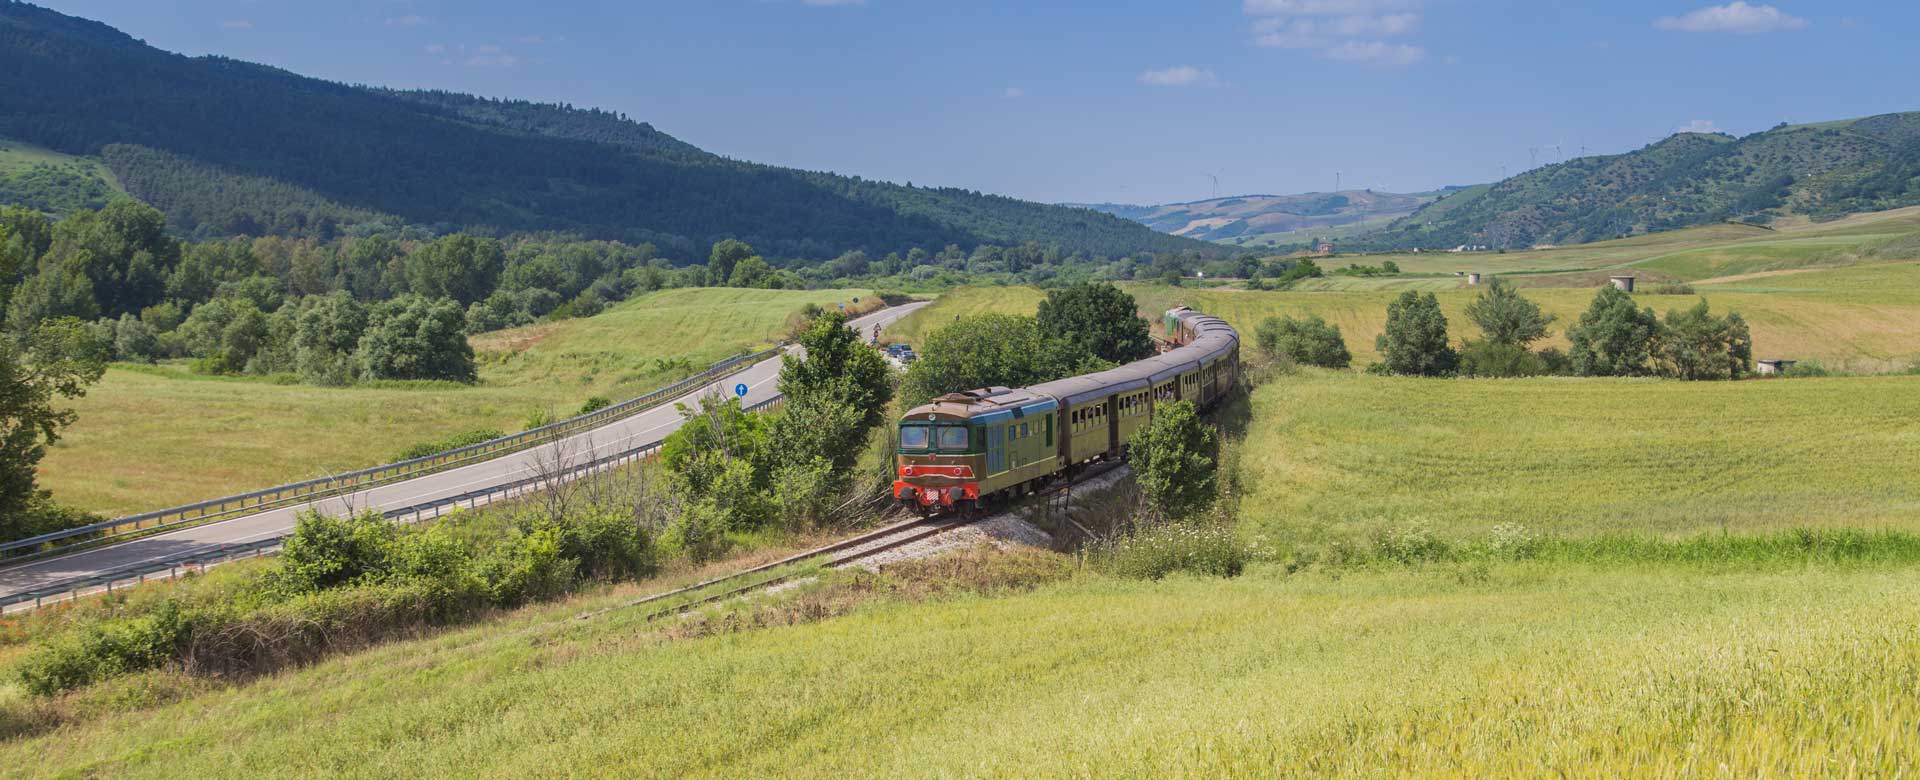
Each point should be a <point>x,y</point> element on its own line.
<point>1023,431</point>
<point>913,437</point>
<point>953,437</point>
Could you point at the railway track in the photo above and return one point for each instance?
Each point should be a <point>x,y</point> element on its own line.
<point>833,556</point>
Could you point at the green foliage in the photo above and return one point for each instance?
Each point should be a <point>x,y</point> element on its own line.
<point>1683,180</point>
<point>700,533</point>
<point>105,650</point>
<point>458,266</point>
<point>1095,319</point>
<point>1614,337</point>
<point>56,189</point>
<point>1506,317</point>
<point>329,552</point>
<point>326,336</point>
<point>1490,358</point>
<point>594,404</point>
<point>1173,461</point>
<point>237,146</point>
<point>1415,340</point>
<point>453,442</point>
<point>54,364</point>
<point>1309,341</point>
<point>1694,344</point>
<point>416,338</point>
<point>1206,549</point>
<point>979,351</point>
<point>838,368</point>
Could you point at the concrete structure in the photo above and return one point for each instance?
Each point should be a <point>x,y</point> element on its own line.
<point>1326,247</point>
<point>1625,283</point>
<point>1473,278</point>
<point>1773,366</point>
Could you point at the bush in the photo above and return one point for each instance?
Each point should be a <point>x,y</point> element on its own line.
<point>106,650</point>
<point>453,442</point>
<point>327,552</point>
<point>1489,358</point>
<point>594,404</point>
<point>608,545</point>
<point>1310,342</point>
<point>527,567</point>
<point>1173,461</point>
<point>700,533</point>
<point>538,418</point>
<point>1207,549</point>
<point>1671,288</point>
<point>1415,340</point>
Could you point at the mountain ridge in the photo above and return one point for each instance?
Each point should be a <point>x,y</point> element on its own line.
<point>457,162</point>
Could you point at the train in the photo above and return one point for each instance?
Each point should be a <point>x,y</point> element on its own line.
<point>965,451</point>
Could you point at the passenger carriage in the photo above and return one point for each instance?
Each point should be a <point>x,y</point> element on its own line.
<point>977,447</point>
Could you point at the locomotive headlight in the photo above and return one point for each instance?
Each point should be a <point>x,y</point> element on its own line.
<point>906,471</point>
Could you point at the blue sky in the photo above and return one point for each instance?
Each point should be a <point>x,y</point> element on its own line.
<point>1125,100</point>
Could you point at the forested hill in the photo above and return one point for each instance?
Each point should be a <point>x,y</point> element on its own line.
<point>227,147</point>
<point>1823,170</point>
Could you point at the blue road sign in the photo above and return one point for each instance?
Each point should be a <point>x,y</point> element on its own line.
<point>740,389</point>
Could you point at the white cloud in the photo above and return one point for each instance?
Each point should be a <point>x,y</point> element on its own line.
<point>436,48</point>
<point>1177,76</point>
<point>1698,126</point>
<point>1342,30</point>
<point>410,20</point>
<point>1013,93</point>
<point>1376,53</point>
<point>496,60</point>
<point>1734,17</point>
<point>237,24</point>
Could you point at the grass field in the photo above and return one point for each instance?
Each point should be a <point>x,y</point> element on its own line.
<point>1341,456</point>
<point>1513,671</point>
<point>1693,253</point>
<point>159,436</point>
<point>18,155</point>
<point>1858,318</point>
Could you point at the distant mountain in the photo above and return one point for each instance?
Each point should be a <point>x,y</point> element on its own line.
<point>227,147</point>
<point>1280,216</point>
<point>1824,170</point>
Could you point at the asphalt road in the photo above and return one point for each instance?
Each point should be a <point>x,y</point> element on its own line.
<point>648,426</point>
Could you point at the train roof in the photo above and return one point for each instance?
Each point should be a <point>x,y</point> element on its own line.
<point>1213,339</point>
<point>987,404</point>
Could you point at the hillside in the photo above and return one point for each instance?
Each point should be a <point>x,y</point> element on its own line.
<point>227,147</point>
<point>1245,217</point>
<point>1824,170</point>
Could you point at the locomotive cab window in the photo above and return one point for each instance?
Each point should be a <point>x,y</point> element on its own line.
<point>952,438</point>
<point>915,437</point>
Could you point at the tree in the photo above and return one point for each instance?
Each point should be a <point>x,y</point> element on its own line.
<point>979,351</point>
<point>1415,341</point>
<point>751,272</point>
<point>416,338</point>
<point>838,367</point>
<point>1694,344</point>
<point>1095,319</point>
<point>1613,337</point>
<point>1173,461</point>
<point>1310,342</point>
<point>57,361</point>
<point>458,266</point>
<point>56,290</point>
<point>325,337</point>
<point>123,249</point>
<point>1506,317</point>
<point>725,255</point>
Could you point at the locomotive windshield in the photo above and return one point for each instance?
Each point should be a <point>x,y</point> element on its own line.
<point>913,437</point>
<point>953,437</point>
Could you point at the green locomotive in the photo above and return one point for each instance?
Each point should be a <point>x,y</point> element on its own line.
<point>971,449</point>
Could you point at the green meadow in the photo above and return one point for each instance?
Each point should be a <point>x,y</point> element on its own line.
<point>157,436</point>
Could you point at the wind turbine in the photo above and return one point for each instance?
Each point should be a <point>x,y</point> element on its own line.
<point>1216,183</point>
